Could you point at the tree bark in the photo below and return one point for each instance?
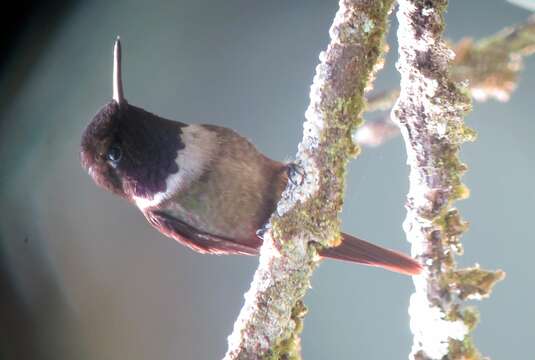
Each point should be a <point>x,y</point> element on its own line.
<point>429,112</point>
<point>307,216</point>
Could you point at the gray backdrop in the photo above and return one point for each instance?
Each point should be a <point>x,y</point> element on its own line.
<point>85,277</point>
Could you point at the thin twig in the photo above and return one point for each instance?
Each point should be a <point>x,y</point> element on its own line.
<point>376,132</point>
<point>491,66</point>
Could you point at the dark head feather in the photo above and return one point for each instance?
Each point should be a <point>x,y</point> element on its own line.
<point>148,147</point>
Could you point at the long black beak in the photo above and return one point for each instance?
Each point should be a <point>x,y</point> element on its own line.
<point>118,94</point>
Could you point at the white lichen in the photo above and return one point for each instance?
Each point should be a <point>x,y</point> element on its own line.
<point>430,113</point>
<point>425,316</point>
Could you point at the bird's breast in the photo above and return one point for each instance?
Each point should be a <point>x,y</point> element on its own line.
<point>213,210</point>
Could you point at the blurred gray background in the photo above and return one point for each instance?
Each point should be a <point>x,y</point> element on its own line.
<point>83,276</point>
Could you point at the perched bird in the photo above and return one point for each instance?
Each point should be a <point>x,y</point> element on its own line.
<point>203,185</point>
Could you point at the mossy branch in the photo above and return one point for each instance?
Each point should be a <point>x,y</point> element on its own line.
<point>490,65</point>
<point>429,112</point>
<point>308,214</point>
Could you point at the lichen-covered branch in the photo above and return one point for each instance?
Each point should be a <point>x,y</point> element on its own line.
<point>307,216</point>
<point>430,112</point>
<point>491,66</point>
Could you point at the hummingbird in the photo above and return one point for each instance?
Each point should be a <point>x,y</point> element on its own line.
<point>205,186</point>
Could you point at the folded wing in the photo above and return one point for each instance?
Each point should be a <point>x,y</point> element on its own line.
<point>197,240</point>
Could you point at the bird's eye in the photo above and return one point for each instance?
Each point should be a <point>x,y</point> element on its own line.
<point>114,153</point>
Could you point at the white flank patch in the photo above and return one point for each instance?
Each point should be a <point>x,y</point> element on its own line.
<point>192,161</point>
<point>90,171</point>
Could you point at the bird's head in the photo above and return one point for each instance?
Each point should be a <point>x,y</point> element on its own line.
<point>128,150</point>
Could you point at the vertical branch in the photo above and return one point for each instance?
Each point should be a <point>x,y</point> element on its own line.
<point>430,112</point>
<point>307,216</point>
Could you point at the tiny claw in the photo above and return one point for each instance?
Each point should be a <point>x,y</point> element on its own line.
<point>296,174</point>
<point>263,230</point>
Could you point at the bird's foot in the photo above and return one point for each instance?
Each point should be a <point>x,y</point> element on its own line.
<point>263,230</point>
<point>296,174</point>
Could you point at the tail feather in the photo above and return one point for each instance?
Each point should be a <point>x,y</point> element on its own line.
<point>362,252</point>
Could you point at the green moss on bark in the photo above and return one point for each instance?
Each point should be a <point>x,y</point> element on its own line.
<point>308,216</point>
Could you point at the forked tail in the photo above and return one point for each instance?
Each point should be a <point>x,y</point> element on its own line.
<point>362,252</point>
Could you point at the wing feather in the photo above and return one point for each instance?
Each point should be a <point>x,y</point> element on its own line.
<point>196,240</point>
